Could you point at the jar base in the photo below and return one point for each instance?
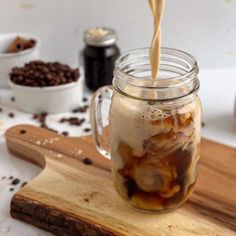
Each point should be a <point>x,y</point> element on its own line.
<point>164,211</point>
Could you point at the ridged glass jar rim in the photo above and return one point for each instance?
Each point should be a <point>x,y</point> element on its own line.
<point>178,75</point>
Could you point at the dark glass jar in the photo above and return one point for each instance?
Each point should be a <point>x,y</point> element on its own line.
<point>100,54</point>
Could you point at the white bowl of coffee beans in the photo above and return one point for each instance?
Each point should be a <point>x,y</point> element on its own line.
<point>49,87</point>
<point>16,49</point>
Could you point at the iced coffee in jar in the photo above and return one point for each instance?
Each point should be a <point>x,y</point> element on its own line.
<point>154,129</point>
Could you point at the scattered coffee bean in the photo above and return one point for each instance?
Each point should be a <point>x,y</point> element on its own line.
<point>11,177</point>
<point>87,130</point>
<point>82,109</point>
<point>43,125</point>
<point>23,131</point>
<point>13,99</point>
<point>87,161</point>
<point>73,121</point>
<point>15,181</point>
<point>65,133</point>
<point>63,120</point>
<point>41,118</point>
<point>203,124</point>
<point>85,99</point>
<point>11,115</point>
<point>35,116</point>
<point>44,74</point>
<point>11,189</point>
<point>23,184</point>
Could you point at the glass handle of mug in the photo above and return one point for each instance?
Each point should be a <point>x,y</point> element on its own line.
<point>100,122</point>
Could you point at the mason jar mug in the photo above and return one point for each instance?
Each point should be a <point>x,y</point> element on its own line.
<point>154,129</point>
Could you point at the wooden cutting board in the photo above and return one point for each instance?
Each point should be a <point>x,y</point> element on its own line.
<point>71,198</point>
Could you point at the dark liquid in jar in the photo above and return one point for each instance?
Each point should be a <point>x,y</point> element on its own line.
<point>99,65</point>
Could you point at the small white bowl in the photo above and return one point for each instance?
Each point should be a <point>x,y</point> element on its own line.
<point>53,99</point>
<point>10,60</point>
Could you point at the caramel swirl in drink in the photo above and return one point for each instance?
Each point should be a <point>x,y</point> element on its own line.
<point>155,152</point>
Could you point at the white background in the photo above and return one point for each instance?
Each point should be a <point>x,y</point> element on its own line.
<point>205,28</point>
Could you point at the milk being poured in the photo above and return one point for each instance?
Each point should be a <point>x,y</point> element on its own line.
<point>157,8</point>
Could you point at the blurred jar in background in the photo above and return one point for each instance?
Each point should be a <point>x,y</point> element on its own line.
<point>99,55</point>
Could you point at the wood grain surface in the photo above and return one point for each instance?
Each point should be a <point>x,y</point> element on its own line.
<point>70,198</point>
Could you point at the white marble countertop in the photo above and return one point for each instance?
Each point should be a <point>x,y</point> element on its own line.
<point>218,91</point>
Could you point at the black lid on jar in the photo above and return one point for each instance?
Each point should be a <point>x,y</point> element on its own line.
<point>100,36</point>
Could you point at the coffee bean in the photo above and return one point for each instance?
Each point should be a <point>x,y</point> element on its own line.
<point>40,117</point>
<point>43,74</point>
<point>11,177</point>
<point>87,161</point>
<point>35,116</point>
<point>23,131</point>
<point>15,181</point>
<point>65,133</point>
<point>11,115</point>
<point>203,124</point>
<point>87,130</point>
<point>13,99</point>
<point>82,109</point>
<point>73,121</point>
<point>85,99</point>
<point>11,189</point>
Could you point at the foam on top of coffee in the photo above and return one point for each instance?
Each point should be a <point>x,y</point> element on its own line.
<point>152,113</point>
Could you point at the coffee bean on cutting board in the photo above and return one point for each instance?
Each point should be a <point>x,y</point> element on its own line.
<point>87,161</point>
<point>22,131</point>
